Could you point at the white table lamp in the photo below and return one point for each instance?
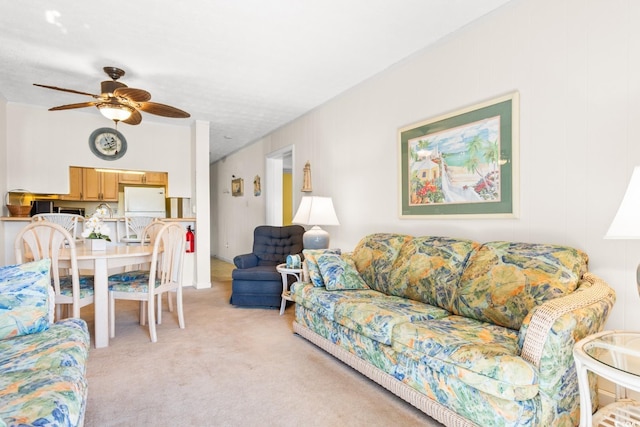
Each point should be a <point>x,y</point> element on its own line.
<point>316,211</point>
<point>626,224</point>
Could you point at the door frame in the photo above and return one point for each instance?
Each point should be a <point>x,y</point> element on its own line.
<point>274,168</point>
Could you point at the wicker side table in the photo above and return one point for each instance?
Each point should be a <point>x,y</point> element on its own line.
<point>614,355</point>
<point>285,272</point>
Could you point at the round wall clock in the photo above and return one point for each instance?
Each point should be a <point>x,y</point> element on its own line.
<point>107,143</point>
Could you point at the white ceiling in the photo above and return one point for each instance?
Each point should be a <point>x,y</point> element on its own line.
<point>246,66</point>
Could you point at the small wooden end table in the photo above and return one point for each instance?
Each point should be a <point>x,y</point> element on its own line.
<point>614,355</point>
<point>285,272</point>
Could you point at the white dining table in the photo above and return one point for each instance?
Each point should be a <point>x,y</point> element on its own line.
<point>101,261</point>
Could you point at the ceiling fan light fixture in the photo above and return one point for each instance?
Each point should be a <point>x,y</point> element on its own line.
<point>115,112</point>
<point>120,103</point>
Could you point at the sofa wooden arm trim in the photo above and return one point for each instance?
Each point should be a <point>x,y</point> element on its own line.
<point>430,407</point>
<point>546,314</point>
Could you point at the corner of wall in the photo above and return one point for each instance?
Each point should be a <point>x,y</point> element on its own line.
<point>3,165</point>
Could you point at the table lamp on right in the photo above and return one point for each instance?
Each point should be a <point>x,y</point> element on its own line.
<point>626,223</point>
<point>316,211</point>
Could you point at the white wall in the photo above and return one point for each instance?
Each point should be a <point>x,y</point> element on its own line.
<point>3,173</point>
<point>201,208</point>
<point>43,144</point>
<point>233,216</point>
<point>576,65</point>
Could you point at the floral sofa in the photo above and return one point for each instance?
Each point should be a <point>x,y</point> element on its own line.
<point>42,364</point>
<point>469,333</point>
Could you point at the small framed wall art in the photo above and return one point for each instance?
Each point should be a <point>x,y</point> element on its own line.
<point>306,178</point>
<point>257,187</point>
<point>237,187</point>
<point>462,164</point>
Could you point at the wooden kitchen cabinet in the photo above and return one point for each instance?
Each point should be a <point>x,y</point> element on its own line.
<point>130,178</point>
<point>110,187</point>
<point>99,186</point>
<point>155,178</point>
<point>89,185</point>
<point>148,178</point>
<point>86,184</point>
<point>75,184</point>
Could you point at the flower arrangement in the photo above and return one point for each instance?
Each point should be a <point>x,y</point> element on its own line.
<point>95,228</point>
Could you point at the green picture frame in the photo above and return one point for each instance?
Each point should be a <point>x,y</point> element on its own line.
<point>463,164</point>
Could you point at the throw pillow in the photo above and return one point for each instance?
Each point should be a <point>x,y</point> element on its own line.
<point>310,258</point>
<point>339,273</point>
<point>24,298</point>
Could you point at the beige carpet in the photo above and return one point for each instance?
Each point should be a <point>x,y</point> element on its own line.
<point>229,367</point>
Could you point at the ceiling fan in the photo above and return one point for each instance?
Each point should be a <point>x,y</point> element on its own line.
<point>120,103</point>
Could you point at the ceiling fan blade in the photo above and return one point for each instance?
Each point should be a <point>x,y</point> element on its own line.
<point>135,95</point>
<point>71,106</point>
<point>163,110</point>
<point>67,90</point>
<point>134,119</point>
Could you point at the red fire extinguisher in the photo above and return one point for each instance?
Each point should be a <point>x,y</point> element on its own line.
<point>190,240</point>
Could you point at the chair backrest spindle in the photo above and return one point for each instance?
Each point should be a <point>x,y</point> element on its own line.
<point>68,221</point>
<point>134,228</point>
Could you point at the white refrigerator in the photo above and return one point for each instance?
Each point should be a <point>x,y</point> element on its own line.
<point>145,201</point>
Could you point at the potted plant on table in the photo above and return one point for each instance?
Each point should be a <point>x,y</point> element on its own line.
<point>96,231</point>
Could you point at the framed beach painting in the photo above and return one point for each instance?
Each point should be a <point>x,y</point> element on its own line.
<point>462,164</point>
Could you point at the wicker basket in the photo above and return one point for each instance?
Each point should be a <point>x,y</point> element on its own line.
<point>20,211</point>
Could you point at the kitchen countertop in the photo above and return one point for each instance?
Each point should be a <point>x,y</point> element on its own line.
<point>28,219</point>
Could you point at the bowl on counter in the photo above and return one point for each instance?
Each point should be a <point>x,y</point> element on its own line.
<point>18,203</point>
<point>19,211</point>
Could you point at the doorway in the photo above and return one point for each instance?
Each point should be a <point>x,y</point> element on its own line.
<point>279,186</point>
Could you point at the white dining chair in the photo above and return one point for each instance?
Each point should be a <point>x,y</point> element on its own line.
<point>149,286</point>
<point>142,270</point>
<point>44,239</point>
<point>68,221</point>
<point>133,228</point>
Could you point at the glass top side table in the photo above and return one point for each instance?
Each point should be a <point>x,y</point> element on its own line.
<point>614,355</point>
<point>285,272</point>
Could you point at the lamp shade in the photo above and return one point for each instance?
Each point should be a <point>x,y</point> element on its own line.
<point>626,223</point>
<point>314,210</point>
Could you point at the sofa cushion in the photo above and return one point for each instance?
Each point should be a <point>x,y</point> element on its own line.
<point>65,343</point>
<point>480,354</point>
<point>47,397</point>
<point>257,274</point>
<point>375,255</point>
<point>324,302</point>
<point>339,273</point>
<point>24,298</point>
<point>428,269</point>
<point>503,281</point>
<point>311,260</point>
<point>376,318</point>
<point>42,376</point>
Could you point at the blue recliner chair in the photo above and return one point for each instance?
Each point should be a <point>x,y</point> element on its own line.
<point>256,283</point>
